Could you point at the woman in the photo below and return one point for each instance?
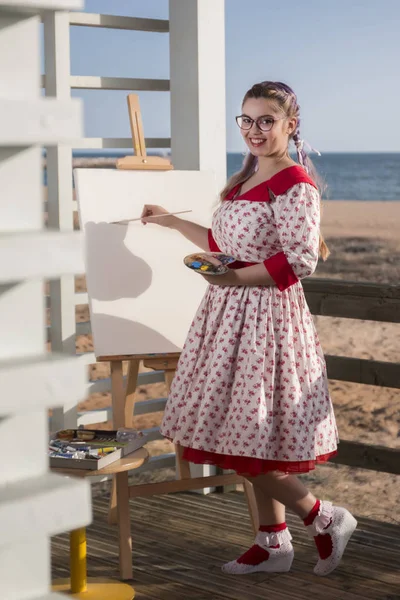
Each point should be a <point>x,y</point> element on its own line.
<point>251,391</point>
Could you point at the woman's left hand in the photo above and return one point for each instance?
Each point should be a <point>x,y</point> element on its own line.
<point>229,278</point>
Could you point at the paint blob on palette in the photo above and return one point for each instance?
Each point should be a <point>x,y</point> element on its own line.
<point>210,263</point>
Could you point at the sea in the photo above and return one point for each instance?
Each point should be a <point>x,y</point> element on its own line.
<point>351,176</point>
<point>348,176</point>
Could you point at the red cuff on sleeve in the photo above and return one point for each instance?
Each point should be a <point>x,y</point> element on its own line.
<point>212,243</point>
<point>280,271</point>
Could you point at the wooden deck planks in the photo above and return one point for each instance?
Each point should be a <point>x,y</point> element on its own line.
<point>181,540</point>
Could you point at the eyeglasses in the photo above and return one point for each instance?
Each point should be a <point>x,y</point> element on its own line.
<point>264,123</point>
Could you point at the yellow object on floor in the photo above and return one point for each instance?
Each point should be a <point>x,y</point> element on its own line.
<point>77,553</point>
<point>97,589</point>
<point>94,589</point>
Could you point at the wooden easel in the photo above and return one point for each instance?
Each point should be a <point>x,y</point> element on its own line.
<point>123,396</point>
<point>140,160</point>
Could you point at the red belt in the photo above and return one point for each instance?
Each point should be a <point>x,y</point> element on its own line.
<point>238,264</point>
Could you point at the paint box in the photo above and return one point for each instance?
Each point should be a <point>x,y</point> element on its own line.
<point>106,441</point>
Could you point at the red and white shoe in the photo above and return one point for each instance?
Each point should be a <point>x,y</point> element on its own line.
<point>337,523</point>
<point>271,553</point>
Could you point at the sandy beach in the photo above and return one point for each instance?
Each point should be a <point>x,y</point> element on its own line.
<point>365,246</point>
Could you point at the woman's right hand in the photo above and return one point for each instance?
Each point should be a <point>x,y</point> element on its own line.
<point>197,234</point>
<point>151,214</point>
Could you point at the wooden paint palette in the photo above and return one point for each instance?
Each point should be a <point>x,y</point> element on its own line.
<point>209,263</point>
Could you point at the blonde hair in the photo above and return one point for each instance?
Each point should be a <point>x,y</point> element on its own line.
<point>286,100</point>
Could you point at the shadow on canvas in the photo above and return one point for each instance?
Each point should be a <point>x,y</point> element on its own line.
<point>113,272</point>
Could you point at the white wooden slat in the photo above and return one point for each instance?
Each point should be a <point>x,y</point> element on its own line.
<point>81,298</point>
<point>84,328</point>
<point>102,415</point>
<point>20,425</point>
<point>145,407</point>
<point>50,377</point>
<point>197,60</point>
<point>21,206</point>
<point>198,117</point>
<point>163,461</point>
<point>119,22</point>
<point>151,377</point>
<point>93,82</point>
<point>87,82</point>
<point>74,205</point>
<point>37,506</point>
<point>104,385</point>
<point>50,331</point>
<point>31,506</point>
<point>87,358</point>
<point>20,70</point>
<point>101,386</point>
<point>35,6</point>
<point>21,332</point>
<point>42,121</point>
<point>59,188</point>
<point>36,254</point>
<point>94,143</point>
<point>26,562</point>
<point>153,433</point>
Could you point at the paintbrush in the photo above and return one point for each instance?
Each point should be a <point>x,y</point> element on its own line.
<point>181,212</point>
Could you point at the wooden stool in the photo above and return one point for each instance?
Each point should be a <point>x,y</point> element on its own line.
<point>103,589</point>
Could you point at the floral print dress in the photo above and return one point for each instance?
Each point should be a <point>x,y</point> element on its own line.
<point>250,392</point>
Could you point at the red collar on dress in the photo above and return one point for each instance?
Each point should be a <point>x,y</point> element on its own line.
<point>278,184</point>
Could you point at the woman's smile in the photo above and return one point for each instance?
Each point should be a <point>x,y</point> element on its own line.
<point>256,142</point>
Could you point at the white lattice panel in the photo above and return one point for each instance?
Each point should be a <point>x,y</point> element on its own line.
<point>34,504</point>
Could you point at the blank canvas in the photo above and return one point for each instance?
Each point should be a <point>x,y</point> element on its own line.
<point>142,297</point>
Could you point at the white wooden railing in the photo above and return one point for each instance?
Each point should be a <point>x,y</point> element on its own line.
<point>34,503</point>
<point>195,67</point>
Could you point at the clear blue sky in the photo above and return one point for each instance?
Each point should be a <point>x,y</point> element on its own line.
<point>341,57</point>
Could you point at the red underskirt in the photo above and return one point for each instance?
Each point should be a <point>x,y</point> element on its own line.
<point>245,465</point>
